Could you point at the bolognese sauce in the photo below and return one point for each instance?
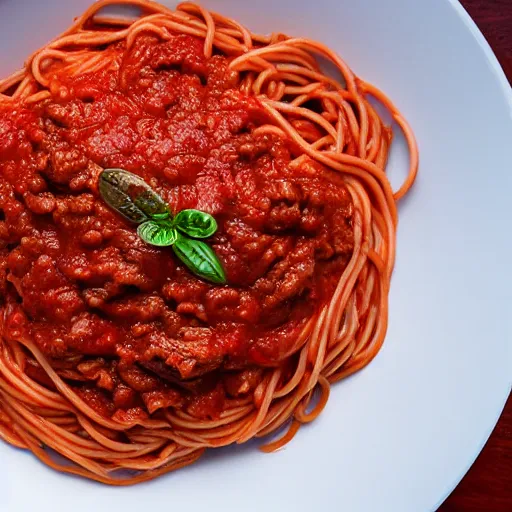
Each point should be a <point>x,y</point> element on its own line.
<point>123,322</point>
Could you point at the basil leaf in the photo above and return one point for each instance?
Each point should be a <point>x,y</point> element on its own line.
<point>195,223</point>
<point>131,196</point>
<point>200,258</point>
<point>157,233</point>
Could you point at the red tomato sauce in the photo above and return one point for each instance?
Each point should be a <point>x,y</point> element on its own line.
<point>122,321</point>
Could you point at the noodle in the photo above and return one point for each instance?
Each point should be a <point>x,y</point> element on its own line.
<point>347,136</point>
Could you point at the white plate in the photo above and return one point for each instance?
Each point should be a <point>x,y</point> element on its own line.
<point>399,435</point>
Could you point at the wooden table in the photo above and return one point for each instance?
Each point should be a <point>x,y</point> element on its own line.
<point>488,485</point>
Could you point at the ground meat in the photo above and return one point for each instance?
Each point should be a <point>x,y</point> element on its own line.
<point>208,405</point>
<point>41,203</point>
<point>241,383</point>
<point>131,319</point>
<point>137,379</point>
<point>154,400</point>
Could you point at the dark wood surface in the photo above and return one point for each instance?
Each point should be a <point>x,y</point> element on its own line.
<point>488,485</point>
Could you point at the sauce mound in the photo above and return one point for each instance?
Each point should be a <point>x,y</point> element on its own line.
<point>124,323</point>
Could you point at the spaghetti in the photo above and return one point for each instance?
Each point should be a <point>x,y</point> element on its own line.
<point>343,132</point>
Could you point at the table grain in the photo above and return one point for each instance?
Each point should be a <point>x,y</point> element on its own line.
<point>487,487</point>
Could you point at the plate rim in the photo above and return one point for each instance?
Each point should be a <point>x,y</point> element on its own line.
<point>506,88</point>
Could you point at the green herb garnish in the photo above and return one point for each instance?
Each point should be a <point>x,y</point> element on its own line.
<point>200,257</point>
<point>131,196</point>
<point>195,223</point>
<point>160,233</point>
<point>134,199</point>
